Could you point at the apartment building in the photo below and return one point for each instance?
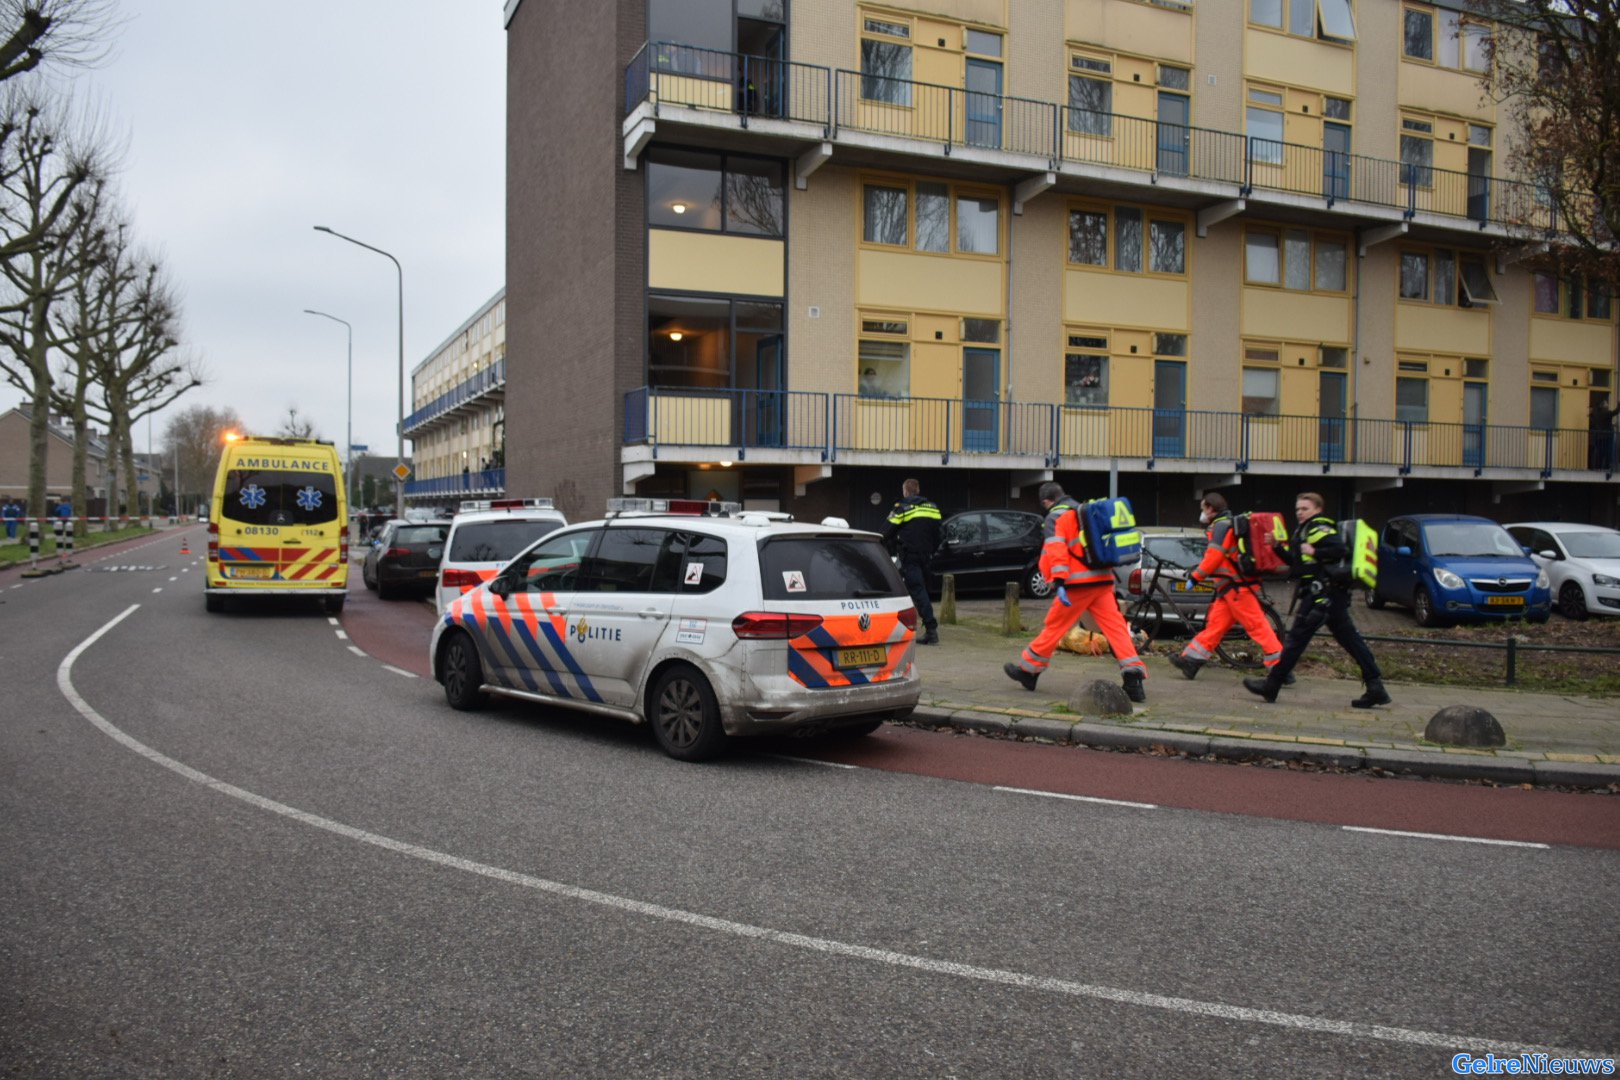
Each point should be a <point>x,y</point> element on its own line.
<point>791,251</point>
<point>457,424</point>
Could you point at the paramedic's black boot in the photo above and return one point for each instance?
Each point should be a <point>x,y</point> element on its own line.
<point>1186,664</point>
<point>1133,686</point>
<point>1020,676</point>
<point>931,637</point>
<point>1288,680</point>
<point>1375,695</point>
<point>1266,688</point>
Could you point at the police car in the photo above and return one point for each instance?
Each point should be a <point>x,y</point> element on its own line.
<point>484,535</point>
<point>704,621</point>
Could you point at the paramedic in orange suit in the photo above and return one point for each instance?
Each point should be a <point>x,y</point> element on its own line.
<point>1234,600</point>
<point>1080,588</point>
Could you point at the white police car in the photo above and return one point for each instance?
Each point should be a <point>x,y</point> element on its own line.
<point>701,620</point>
<point>483,537</point>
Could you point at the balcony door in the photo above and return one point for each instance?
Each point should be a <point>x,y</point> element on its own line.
<point>981,399</point>
<point>1169,409</point>
<point>1336,160</point>
<point>1475,398</point>
<point>1330,401</point>
<point>762,49</point>
<point>1174,112</point>
<point>983,103</point>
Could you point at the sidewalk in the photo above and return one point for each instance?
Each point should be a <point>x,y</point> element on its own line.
<point>1551,739</point>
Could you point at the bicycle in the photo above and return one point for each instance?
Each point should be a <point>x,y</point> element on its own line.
<point>1159,590</point>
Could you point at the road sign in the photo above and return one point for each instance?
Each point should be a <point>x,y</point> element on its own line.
<point>401,471</point>
<point>359,447</point>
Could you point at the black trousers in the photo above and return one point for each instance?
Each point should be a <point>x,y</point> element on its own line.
<point>1331,606</point>
<point>917,585</point>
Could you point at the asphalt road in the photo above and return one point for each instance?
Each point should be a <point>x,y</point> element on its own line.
<point>234,846</point>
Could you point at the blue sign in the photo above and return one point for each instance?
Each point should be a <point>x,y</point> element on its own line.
<point>361,447</point>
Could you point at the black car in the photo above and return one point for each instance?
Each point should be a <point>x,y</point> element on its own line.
<point>985,549</point>
<point>404,559</point>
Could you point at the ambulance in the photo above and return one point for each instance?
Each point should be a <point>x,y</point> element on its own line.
<point>278,523</point>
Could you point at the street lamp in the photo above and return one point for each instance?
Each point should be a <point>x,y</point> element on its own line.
<point>399,484</point>
<point>348,445</point>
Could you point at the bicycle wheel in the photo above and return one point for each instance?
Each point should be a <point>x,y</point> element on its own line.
<point>1147,617</point>
<point>1238,650</point>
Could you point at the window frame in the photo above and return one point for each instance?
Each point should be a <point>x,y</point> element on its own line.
<point>954,193</point>
<point>886,35</point>
<point>1081,344</point>
<point>1318,241</point>
<point>1147,217</point>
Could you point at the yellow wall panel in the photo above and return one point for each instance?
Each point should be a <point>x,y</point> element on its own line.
<point>985,12</point>
<point>1279,313</point>
<point>909,282</point>
<point>937,67</point>
<point>690,420</point>
<point>713,262</point>
<point>1572,341</point>
<point>1130,382</point>
<point>1424,328</point>
<point>1299,62</point>
<point>1135,28</point>
<point>1442,90</point>
<point>936,370</point>
<point>687,90</point>
<point>1124,300</point>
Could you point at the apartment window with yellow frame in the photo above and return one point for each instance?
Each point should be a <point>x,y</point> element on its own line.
<point>930,216</point>
<point>1144,240</point>
<point>1262,379</point>
<point>1085,367</point>
<point>1327,20</point>
<point>1091,94</point>
<point>883,355</point>
<point>885,58</point>
<point>1445,276</point>
<point>1445,39</point>
<point>1302,260</point>
<point>1571,298</point>
<point>1263,123</point>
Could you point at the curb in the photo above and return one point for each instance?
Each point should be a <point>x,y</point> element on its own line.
<point>1436,764</point>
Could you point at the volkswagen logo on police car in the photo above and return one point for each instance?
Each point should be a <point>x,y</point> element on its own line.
<point>865,621</point>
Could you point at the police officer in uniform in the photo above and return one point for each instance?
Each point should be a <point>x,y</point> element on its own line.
<point>913,533</point>
<point>1315,557</point>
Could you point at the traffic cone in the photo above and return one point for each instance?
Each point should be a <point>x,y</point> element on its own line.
<point>185,546</point>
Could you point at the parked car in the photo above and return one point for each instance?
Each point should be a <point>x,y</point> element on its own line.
<point>404,559</point>
<point>704,627</point>
<point>985,549</point>
<point>1449,567</point>
<point>1179,551</point>
<point>484,535</point>
<point>1581,561</point>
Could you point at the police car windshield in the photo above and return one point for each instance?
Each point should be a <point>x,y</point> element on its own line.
<point>276,497</point>
<point>496,541</point>
<point>827,568</point>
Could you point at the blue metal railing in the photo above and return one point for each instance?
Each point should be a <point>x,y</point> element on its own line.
<point>667,73</point>
<point>467,485</point>
<point>490,379</point>
<point>831,425</point>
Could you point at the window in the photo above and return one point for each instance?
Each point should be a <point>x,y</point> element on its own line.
<point>551,566</point>
<point>885,369</point>
<point>1264,120</point>
<point>1418,42</point>
<point>1128,239</point>
<point>1598,305</point>
<point>689,189</point>
<point>1334,356</point>
<point>1331,258</point>
<point>1260,392</point>
<point>628,560</point>
<point>982,43</point>
<point>1543,407</point>
<point>1169,344</point>
<point>699,341</point>
<point>1088,237</point>
<point>1414,275</point>
<point>885,217</point>
<point>1417,152</point>
<point>1336,21</point>
<point>885,64</point>
<point>1445,276</point>
<point>933,217</point>
<point>1174,78</point>
<point>1091,97</point>
<point>1261,259</point>
<point>1336,108</point>
<point>1266,13</point>
<point>981,331</point>
<point>753,197</point>
<point>709,552</point>
<point>978,228</point>
<point>1412,400</point>
<point>1167,247</point>
<point>1476,283</point>
<point>1296,259</point>
<point>1446,39</point>
<point>1085,370</point>
<point>1474,368</point>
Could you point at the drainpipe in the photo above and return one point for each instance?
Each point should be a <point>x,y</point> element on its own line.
<point>1355,351</point>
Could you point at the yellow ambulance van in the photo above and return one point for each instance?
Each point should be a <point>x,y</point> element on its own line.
<point>278,523</point>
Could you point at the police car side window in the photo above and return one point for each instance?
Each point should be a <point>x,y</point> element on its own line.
<point>625,560</point>
<point>699,563</point>
<point>553,564</point>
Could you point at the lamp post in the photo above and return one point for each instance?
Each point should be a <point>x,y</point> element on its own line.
<point>399,484</point>
<point>348,443</point>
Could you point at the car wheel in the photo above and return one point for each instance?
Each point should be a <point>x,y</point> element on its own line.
<point>371,582</point>
<point>463,674</point>
<point>1423,608</point>
<point>1035,583</point>
<point>685,716</point>
<point>213,602</point>
<point>1374,601</point>
<point>334,604</point>
<point>1572,601</point>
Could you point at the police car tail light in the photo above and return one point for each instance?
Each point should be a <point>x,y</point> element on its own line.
<point>458,579</point>
<point>213,541</point>
<point>908,619</point>
<point>772,625</point>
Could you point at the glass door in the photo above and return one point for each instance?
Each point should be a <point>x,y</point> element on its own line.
<point>1174,112</point>
<point>1336,161</point>
<point>1330,398</point>
<point>981,399</point>
<point>983,103</point>
<point>762,83</point>
<point>1169,408</point>
<point>1474,402</point>
<point>1479,183</point>
<point>769,400</point>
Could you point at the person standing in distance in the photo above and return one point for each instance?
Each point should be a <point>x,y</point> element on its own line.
<point>1080,588</point>
<point>1324,597</point>
<point>913,533</point>
<point>1234,600</point>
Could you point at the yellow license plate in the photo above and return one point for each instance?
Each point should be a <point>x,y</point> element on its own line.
<point>1503,601</point>
<point>862,657</point>
<point>1187,586</point>
<point>254,572</point>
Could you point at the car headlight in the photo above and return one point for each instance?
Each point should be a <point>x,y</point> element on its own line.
<point>1605,581</point>
<point>1543,581</point>
<point>1447,579</point>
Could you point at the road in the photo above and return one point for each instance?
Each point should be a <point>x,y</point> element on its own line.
<point>243,845</point>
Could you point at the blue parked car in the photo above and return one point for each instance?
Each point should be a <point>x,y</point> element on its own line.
<point>1450,567</point>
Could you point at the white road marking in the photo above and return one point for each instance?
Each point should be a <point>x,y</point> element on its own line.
<point>1444,836</point>
<point>400,671</point>
<point>158,589</point>
<point>331,620</point>
<point>1188,1006</point>
<point>813,761</point>
<point>341,635</point>
<point>357,650</point>
<point>1075,798</point>
<point>174,579</point>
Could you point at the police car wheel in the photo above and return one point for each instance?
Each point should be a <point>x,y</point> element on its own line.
<point>684,715</point>
<point>463,674</point>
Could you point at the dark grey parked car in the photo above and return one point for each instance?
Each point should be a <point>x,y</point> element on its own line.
<point>404,559</point>
<point>1179,551</point>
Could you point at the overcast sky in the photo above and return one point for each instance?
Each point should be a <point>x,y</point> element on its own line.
<point>249,123</point>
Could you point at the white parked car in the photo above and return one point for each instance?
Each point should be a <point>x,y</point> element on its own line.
<point>704,626</point>
<point>484,536</point>
<point>1582,561</point>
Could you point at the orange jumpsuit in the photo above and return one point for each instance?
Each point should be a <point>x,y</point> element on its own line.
<point>1234,600</point>
<point>1063,562</point>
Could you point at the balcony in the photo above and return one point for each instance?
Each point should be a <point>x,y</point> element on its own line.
<point>808,104</point>
<point>488,383</point>
<point>802,427</point>
<point>476,484</point>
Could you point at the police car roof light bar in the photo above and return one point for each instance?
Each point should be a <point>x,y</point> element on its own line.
<point>505,504</point>
<point>683,507</point>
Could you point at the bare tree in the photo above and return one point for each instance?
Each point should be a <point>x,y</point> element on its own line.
<point>196,438</point>
<point>1553,63</point>
<point>68,33</point>
<point>296,427</point>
